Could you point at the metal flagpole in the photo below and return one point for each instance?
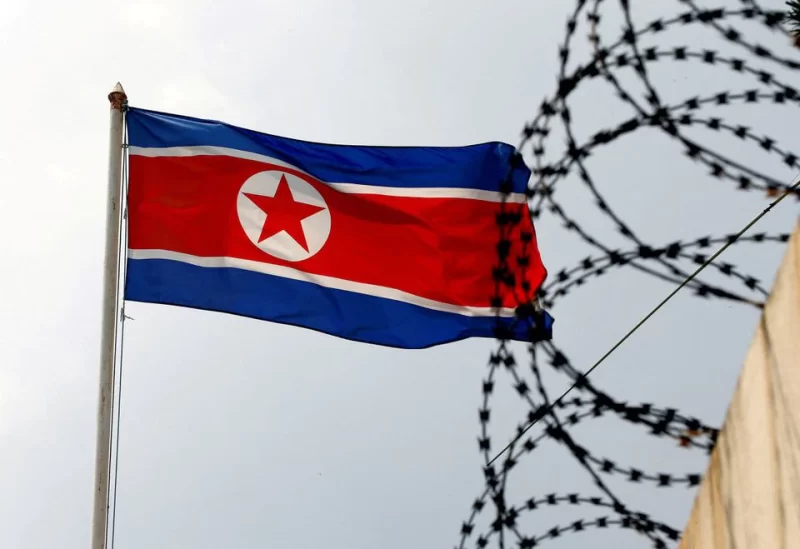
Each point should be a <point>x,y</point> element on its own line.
<point>108,335</point>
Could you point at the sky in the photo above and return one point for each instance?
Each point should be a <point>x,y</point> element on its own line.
<point>239,433</point>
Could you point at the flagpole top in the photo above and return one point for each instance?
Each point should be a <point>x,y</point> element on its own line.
<point>117,97</point>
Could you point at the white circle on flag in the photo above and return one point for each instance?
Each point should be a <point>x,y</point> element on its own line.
<point>283,215</point>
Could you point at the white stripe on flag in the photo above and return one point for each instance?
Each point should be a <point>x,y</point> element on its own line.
<point>350,188</point>
<point>320,280</point>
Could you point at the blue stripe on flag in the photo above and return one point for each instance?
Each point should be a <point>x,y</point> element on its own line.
<point>340,313</point>
<point>482,167</point>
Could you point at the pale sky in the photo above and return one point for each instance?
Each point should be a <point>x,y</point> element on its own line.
<point>239,433</point>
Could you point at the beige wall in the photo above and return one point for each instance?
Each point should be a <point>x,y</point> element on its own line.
<point>750,494</point>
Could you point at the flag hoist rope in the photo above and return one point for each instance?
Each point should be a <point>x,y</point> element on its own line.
<point>110,318</point>
<point>111,529</point>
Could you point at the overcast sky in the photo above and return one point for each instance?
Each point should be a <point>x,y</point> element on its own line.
<point>243,434</point>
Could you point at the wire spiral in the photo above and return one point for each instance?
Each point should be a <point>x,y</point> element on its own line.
<point>613,62</point>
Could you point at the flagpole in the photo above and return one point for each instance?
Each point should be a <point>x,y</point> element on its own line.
<point>110,318</point>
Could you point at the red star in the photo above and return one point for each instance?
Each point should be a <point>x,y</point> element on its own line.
<point>283,213</point>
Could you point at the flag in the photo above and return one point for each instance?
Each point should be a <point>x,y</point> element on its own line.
<point>388,245</point>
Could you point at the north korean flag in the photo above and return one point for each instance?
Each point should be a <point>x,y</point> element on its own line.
<point>393,246</point>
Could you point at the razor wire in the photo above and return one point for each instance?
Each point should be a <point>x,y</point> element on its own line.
<point>770,74</point>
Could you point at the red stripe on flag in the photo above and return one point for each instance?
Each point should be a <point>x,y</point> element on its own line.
<point>437,248</point>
